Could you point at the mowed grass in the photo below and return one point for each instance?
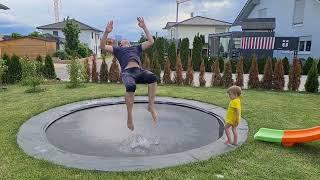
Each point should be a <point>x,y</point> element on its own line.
<point>253,160</point>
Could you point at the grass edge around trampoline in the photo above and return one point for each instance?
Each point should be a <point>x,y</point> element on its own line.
<point>254,160</point>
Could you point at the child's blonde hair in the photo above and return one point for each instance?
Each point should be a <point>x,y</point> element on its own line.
<point>235,90</point>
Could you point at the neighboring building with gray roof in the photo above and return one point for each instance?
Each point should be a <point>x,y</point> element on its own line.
<point>89,35</point>
<point>292,18</point>
<point>3,7</point>
<point>194,25</point>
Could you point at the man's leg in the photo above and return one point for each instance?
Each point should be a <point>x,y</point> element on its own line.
<point>147,77</point>
<point>129,102</point>
<point>152,88</point>
<point>130,84</point>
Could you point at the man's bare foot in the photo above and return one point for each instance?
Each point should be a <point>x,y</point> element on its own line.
<point>235,144</point>
<point>227,142</point>
<point>130,125</point>
<point>154,114</point>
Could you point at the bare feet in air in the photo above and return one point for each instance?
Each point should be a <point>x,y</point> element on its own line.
<point>130,124</point>
<point>154,114</point>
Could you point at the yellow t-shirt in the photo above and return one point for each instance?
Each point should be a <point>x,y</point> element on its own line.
<point>231,112</point>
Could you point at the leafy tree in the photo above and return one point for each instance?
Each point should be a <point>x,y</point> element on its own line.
<point>16,35</point>
<point>36,34</point>
<point>83,50</point>
<point>156,65</point>
<point>39,64</point>
<point>71,32</point>
<point>160,50</point>
<point>76,72</point>
<point>319,66</point>
<point>87,72</point>
<point>30,75</point>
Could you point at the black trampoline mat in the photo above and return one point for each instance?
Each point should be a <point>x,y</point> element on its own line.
<point>102,131</point>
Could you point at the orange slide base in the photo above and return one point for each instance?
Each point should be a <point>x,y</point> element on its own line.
<point>291,137</point>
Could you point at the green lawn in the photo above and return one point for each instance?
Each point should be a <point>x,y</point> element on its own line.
<point>253,160</point>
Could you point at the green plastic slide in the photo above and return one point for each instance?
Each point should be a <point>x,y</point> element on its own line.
<point>269,135</point>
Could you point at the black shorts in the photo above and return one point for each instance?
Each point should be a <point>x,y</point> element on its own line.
<point>137,75</point>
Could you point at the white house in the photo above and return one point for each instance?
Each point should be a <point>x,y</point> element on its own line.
<point>89,35</point>
<point>189,28</point>
<point>294,18</point>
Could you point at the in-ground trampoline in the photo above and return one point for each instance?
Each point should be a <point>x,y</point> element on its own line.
<point>93,134</point>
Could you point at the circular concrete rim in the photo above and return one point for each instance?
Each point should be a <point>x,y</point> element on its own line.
<point>32,139</point>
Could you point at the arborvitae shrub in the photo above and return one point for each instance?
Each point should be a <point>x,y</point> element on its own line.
<point>254,74</point>
<point>202,79</point>
<point>49,71</point>
<point>172,55</point>
<point>286,66</point>
<point>312,83</point>
<point>146,62</point>
<point>278,76</point>
<point>295,75</point>
<point>190,74</point>
<point>227,75</point>
<point>216,76</point>
<point>87,70</point>
<point>307,66</point>
<point>14,70</point>
<point>167,73</point>
<point>114,73</point>
<point>239,78</point>
<point>94,73</point>
<point>104,74</point>
<point>178,78</point>
<point>267,75</point>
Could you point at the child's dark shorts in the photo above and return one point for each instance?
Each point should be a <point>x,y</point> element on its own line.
<point>137,75</point>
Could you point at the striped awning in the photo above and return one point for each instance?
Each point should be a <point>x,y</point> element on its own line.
<point>262,43</point>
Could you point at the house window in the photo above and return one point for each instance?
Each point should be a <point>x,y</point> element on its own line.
<point>298,15</point>
<point>285,43</point>
<point>308,46</point>
<point>262,13</point>
<point>56,33</point>
<point>301,45</point>
<point>92,35</point>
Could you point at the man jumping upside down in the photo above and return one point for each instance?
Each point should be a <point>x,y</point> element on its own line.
<point>129,58</point>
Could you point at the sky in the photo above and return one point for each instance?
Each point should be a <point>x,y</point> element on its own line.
<point>25,15</point>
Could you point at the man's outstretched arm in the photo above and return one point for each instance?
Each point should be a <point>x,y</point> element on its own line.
<point>150,41</point>
<point>103,42</point>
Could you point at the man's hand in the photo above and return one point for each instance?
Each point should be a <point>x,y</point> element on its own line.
<point>109,27</point>
<point>141,22</point>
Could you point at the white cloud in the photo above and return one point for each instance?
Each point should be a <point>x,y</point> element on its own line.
<point>124,12</point>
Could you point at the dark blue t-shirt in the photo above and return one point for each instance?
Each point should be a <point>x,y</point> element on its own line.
<point>125,54</point>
